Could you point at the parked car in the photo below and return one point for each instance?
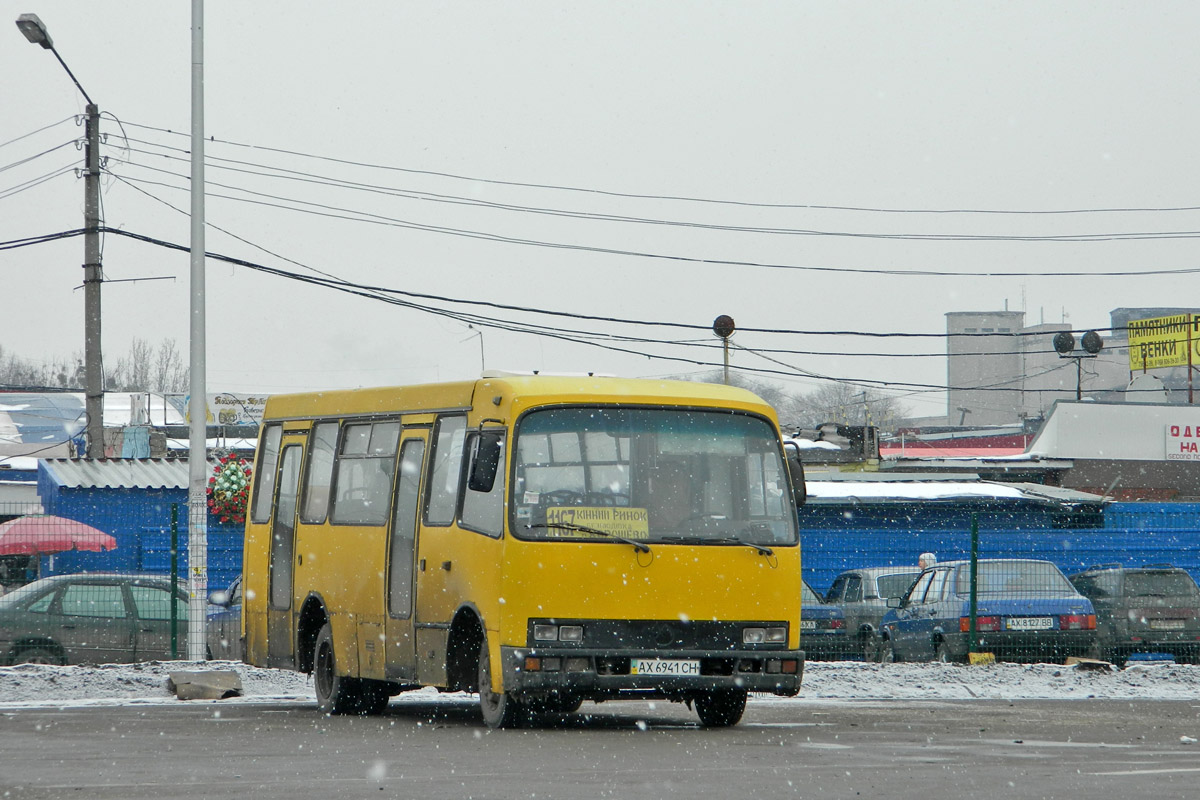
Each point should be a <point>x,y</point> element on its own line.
<point>1026,610</point>
<point>225,622</point>
<point>862,595</point>
<point>92,618</point>
<point>822,629</point>
<point>1152,609</point>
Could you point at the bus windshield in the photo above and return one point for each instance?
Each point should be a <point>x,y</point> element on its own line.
<point>668,475</point>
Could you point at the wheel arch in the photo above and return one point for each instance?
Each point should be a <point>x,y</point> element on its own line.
<point>462,648</point>
<point>35,643</point>
<point>311,619</point>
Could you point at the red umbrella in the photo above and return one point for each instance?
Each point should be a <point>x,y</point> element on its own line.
<point>45,533</point>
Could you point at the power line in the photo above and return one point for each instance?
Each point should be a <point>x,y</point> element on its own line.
<point>34,182</point>
<point>36,156</point>
<point>669,197</point>
<point>280,173</point>
<point>39,130</point>
<point>357,289</point>
<point>555,313</point>
<point>334,212</point>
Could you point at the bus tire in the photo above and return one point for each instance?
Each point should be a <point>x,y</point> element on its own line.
<point>335,694</point>
<point>499,710</point>
<point>373,697</point>
<point>721,708</point>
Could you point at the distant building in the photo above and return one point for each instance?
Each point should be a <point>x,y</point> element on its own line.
<point>1003,372</point>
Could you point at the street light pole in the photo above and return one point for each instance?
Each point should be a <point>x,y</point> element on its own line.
<point>198,403</point>
<point>92,276</point>
<point>35,31</point>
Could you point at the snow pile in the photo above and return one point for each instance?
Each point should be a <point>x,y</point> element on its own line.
<point>124,684</point>
<point>1000,681</point>
<point>48,685</point>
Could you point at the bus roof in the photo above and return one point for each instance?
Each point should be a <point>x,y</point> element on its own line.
<point>515,393</point>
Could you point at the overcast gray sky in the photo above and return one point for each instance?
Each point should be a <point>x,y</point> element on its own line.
<point>771,108</point>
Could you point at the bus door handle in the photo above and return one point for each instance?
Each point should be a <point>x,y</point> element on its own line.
<point>421,565</point>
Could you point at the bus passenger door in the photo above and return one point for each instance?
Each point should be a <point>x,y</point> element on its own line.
<point>280,627</point>
<point>400,662</point>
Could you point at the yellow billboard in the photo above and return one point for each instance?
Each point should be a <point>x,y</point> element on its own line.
<point>1164,342</point>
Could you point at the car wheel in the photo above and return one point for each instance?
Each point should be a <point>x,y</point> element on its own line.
<point>499,709</point>
<point>336,694</point>
<point>871,651</point>
<point>888,654</point>
<point>942,654</point>
<point>39,655</point>
<point>721,708</point>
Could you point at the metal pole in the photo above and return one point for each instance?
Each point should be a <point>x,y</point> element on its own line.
<point>93,363</point>
<point>197,405</point>
<point>973,642</point>
<point>174,580</point>
<point>725,343</point>
<point>1192,319</point>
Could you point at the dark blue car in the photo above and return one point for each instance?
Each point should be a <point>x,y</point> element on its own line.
<point>1026,610</point>
<point>823,634</point>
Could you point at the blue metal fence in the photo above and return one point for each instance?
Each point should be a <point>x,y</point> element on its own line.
<point>1135,534</point>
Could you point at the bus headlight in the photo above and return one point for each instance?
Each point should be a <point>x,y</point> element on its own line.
<point>558,633</point>
<point>776,635</point>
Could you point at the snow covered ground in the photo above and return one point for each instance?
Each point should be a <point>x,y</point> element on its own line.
<point>128,684</point>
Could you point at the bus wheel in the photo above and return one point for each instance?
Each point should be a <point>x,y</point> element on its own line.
<point>568,703</point>
<point>373,697</point>
<point>499,710</point>
<point>335,694</point>
<point>721,708</point>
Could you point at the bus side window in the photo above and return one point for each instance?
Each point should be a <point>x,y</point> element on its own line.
<point>445,471</point>
<point>319,476</point>
<point>483,511</point>
<point>264,475</point>
<point>363,488</point>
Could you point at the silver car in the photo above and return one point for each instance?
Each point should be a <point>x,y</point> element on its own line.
<point>862,595</point>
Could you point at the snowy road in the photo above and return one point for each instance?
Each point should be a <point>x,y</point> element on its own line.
<point>42,685</point>
<point>887,731</point>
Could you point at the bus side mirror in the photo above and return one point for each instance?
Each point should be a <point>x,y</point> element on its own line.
<point>488,447</point>
<point>796,472</point>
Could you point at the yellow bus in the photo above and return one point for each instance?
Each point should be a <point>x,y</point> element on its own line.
<point>541,540</point>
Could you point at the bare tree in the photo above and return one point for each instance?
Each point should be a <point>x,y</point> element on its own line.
<point>788,407</point>
<point>144,369</point>
<point>149,369</point>
<point>847,404</point>
<point>170,373</point>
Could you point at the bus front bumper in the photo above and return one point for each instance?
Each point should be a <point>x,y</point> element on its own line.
<point>607,674</point>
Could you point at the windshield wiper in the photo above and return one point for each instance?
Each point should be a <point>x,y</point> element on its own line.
<point>571,526</point>
<point>761,548</point>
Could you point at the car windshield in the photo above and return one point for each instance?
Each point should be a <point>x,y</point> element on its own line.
<point>808,597</point>
<point>1159,584</point>
<point>894,585</point>
<point>18,596</point>
<point>1014,577</point>
<point>668,475</point>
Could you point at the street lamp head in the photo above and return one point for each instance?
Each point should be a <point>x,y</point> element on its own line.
<point>35,30</point>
